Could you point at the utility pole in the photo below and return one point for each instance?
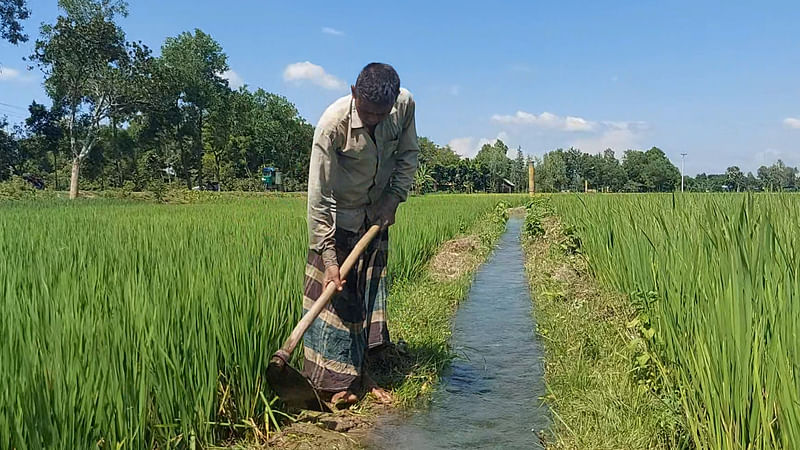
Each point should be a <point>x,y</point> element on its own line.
<point>531,179</point>
<point>683,161</point>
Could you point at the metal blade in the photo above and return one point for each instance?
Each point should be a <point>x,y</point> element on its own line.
<point>292,387</point>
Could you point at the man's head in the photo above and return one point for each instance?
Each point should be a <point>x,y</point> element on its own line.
<point>375,92</point>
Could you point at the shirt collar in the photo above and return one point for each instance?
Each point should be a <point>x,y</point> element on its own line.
<point>355,119</point>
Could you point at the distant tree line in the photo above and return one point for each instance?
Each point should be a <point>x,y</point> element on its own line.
<point>777,177</point>
<point>572,170</point>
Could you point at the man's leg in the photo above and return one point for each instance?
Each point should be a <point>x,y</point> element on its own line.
<point>335,344</point>
<point>376,294</point>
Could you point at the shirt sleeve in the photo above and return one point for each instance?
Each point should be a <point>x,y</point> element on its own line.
<point>321,202</point>
<point>406,157</point>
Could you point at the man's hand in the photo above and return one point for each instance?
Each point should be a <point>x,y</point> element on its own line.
<point>332,276</point>
<point>384,212</point>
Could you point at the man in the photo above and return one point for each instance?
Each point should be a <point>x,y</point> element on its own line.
<point>362,166</point>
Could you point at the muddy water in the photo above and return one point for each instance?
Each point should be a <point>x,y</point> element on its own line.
<point>489,398</point>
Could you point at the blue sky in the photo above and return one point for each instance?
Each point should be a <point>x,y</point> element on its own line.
<point>717,80</point>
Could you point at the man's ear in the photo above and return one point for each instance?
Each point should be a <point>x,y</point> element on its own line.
<point>353,90</point>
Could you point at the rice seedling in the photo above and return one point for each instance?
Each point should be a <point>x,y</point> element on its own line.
<point>716,277</point>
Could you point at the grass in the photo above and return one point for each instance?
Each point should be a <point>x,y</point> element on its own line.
<point>595,400</point>
<point>140,325</point>
<point>715,285</point>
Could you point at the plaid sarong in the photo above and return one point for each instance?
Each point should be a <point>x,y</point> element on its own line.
<point>354,321</point>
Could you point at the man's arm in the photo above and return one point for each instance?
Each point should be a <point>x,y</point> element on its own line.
<point>406,158</point>
<point>321,202</point>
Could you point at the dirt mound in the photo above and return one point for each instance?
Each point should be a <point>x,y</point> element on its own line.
<point>338,431</point>
<point>455,258</point>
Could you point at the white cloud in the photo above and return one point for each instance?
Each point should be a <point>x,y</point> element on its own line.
<point>234,79</point>
<point>462,146</point>
<point>792,122</point>
<point>468,147</point>
<point>619,136</point>
<point>9,74</point>
<point>548,130</point>
<point>307,71</point>
<point>332,31</point>
<point>546,120</point>
<point>770,156</point>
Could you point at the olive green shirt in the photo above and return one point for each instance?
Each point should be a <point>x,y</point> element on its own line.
<point>349,173</point>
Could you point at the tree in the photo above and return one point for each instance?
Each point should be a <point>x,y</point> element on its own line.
<point>574,170</point>
<point>494,158</point>
<point>777,176</point>
<point>649,171</point>
<point>551,174</point>
<point>281,137</point>
<point>11,13</point>
<point>519,172</point>
<point>423,181</point>
<point>45,133</point>
<point>192,66</point>
<point>9,151</point>
<point>752,183</point>
<point>432,154</point>
<point>735,178</point>
<point>611,175</point>
<point>84,60</point>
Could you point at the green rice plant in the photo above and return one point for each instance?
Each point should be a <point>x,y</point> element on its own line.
<point>135,325</point>
<point>725,308</point>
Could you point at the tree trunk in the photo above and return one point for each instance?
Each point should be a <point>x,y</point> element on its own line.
<point>55,166</point>
<point>73,181</point>
<point>118,152</point>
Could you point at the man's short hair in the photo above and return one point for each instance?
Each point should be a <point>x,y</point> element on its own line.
<point>378,83</point>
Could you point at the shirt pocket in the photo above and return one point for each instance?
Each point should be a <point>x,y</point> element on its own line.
<point>390,148</point>
<point>355,148</point>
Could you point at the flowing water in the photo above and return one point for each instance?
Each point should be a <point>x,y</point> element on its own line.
<point>489,397</point>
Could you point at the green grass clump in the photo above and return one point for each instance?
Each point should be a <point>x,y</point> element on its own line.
<point>594,397</point>
<point>716,283</point>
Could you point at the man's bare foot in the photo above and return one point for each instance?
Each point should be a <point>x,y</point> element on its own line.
<point>381,394</point>
<point>344,398</point>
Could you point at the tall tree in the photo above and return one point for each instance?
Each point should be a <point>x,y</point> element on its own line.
<point>777,176</point>
<point>9,151</point>
<point>494,157</point>
<point>192,64</point>
<point>45,134</point>
<point>611,175</point>
<point>649,171</point>
<point>432,154</point>
<point>519,172</point>
<point>551,174</point>
<point>12,12</point>
<point>736,178</point>
<point>82,57</point>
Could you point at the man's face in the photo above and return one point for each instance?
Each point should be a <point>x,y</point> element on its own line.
<point>370,113</point>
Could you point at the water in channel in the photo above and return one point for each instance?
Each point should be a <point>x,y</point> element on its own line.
<point>490,395</point>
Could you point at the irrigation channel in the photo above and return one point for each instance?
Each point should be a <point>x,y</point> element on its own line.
<point>489,397</point>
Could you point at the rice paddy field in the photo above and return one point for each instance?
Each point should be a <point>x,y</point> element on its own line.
<point>716,280</point>
<point>138,325</point>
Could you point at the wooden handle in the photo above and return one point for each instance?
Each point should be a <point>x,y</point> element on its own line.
<point>327,294</point>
